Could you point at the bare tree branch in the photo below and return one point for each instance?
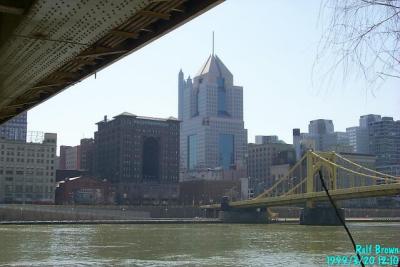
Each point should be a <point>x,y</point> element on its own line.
<point>364,35</point>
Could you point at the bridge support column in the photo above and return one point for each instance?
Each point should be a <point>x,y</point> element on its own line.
<point>258,215</point>
<point>229,214</point>
<point>320,216</point>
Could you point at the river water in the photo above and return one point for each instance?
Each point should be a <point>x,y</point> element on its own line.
<point>185,245</point>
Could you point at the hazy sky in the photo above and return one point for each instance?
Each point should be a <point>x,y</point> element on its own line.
<point>269,46</point>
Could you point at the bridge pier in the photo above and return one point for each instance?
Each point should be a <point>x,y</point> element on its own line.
<point>244,216</point>
<point>229,214</point>
<point>320,216</point>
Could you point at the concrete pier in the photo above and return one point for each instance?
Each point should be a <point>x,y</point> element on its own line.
<point>244,216</point>
<point>229,214</point>
<point>320,216</point>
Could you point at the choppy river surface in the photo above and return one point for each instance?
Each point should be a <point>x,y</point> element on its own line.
<point>185,245</point>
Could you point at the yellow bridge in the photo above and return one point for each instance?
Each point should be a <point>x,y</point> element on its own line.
<point>344,178</point>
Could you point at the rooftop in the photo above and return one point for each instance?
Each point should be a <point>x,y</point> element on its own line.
<point>128,114</point>
<point>213,68</point>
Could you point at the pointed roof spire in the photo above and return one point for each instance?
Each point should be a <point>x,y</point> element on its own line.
<point>214,67</point>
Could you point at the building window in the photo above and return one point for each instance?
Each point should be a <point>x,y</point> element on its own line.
<point>192,152</point>
<point>222,110</point>
<point>151,159</point>
<point>226,150</point>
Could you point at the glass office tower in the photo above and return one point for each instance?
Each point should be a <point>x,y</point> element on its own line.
<point>211,111</point>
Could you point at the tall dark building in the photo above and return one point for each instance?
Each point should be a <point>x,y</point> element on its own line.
<point>140,156</point>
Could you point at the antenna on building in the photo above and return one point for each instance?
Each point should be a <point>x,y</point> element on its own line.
<point>213,43</point>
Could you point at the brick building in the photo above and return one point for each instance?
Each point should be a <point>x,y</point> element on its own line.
<point>140,156</point>
<point>84,190</point>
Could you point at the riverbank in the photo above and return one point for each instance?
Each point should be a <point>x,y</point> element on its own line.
<point>180,221</point>
<point>29,212</point>
<point>60,214</point>
<point>138,221</point>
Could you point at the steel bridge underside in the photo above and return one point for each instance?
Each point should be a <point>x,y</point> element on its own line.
<point>338,194</point>
<point>47,46</point>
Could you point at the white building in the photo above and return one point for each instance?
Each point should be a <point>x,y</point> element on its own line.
<point>27,170</point>
<point>211,111</point>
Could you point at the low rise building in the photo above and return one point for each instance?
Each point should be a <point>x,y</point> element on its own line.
<point>64,174</point>
<point>27,170</point>
<point>202,192</point>
<point>84,190</point>
<point>215,174</point>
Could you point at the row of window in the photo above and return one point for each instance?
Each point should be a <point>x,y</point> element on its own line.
<point>28,154</point>
<point>28,171</point>
<point>28,197</point>
<point>29,149</point>
<point>28,189</point>
<point>28,179</point>
<point>29,160</point>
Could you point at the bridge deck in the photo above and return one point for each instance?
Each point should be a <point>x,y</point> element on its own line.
<point>338,194</point>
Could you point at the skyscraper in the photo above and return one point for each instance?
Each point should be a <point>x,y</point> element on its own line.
<point>211,111</point>
<point>359,135</point>
<point>322,131</point>
<point>384,138</point>
<point>15,128</point>
<point>365,120</point>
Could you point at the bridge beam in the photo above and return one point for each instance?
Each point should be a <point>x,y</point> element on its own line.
<point>320,216</point>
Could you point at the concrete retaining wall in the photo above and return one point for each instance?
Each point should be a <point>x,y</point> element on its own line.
<point>50,212</point>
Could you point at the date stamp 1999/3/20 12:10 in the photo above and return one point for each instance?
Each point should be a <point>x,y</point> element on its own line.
<point>372,255</point>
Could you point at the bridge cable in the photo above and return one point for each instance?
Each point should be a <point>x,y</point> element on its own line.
<point>340,217</point>
<point>284,178</point>
<point>365,168</point>
<point>354,172</point>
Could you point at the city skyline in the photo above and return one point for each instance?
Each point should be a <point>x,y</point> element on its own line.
<point>191,132</point>
<point>260,65</point>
